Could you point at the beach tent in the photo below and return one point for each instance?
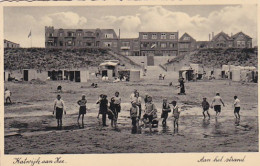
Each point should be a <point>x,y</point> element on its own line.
<point>29,74</point>
<point>134,75</point>
<point>6,75</point>
<point>79,75</point>
<point>236,75</point>
<point>218,73</point>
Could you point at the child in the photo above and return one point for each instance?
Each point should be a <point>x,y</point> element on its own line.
<point>176,115</point>
<point>205,106</point>
<point>165,110</point>
<point>112,112</point>
<point>236,107</point>
<point>138,103</point>
<point>8,96</point>
<point>82,109</point>
<point>59,88</point>
<point>150,109</point>
<point>134,112</point>
<point>59,106</point>
<point>103,105</point>
<point>117,104</point>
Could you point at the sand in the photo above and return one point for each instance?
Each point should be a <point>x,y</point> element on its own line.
<point>30,127</point>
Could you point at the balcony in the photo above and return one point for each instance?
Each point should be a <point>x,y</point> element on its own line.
<point>125,48</point>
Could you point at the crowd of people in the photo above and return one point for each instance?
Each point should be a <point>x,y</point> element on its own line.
<point>142,115</point>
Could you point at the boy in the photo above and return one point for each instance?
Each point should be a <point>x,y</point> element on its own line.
<point>165,110</point>
<point>8,96</point>
<point>176,114</point>
<point>205,106</point>
<point>217,101</point>
<point>236,107</point>
<point>59,106</point>
<point>82,109</point>
<point>117,104</point>
<point>134,112</point>
<point>150,110</point>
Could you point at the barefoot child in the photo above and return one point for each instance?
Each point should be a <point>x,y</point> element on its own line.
<point>59,106</point>
<point>103,106</point>
<point>82,109</point>
<point>165,110</point>
<point>176,114</point>
<point>149,111</point>
<point>117,104</point>
<point>205,106</point>
<point>112,112</point>
<point>134,113</point>
<point>236,107</point>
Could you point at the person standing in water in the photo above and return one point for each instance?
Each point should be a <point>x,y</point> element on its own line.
<point>217,101</point>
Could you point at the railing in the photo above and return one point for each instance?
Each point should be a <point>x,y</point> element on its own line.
<point>163,67</point>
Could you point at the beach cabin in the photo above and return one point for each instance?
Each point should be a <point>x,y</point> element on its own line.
<point>109,69</point>
<point>186,73</point>
<point>197,69</point>
<point>78,75</point>
<point>29,74</point>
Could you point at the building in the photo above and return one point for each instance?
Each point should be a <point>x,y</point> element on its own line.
<point>129,46</point>
<point>239,40</point>
<point>186,44</point>
<point>158,43</point>
<point>80,38</point>
<point>9,44</point>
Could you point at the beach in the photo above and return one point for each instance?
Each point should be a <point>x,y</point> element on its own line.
<point>30,127</point>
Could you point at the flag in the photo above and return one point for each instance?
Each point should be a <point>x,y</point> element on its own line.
<point>30,34</point>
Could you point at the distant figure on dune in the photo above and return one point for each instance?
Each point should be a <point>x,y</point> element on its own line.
<point>59,107</point>
<point>8,94</point>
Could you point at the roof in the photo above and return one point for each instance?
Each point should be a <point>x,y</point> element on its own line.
<point>237,34</point>
<point>222,34</point>
<point>184,68</point>
<point>108,64</point>
<point>186,34</point>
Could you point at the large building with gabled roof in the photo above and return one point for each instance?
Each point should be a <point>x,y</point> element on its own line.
<point>186,44</point>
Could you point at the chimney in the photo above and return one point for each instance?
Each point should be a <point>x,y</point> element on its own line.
<point>212,35</point>
<point>231,34</point>
<point>209,37</point>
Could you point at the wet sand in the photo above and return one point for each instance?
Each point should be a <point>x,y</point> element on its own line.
<point>30,127</point>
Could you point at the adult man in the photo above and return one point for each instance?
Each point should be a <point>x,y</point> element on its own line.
<point>182,87</point>
<point>217,101</point>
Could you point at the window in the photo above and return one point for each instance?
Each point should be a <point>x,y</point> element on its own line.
<point>69,42</point>
<point>145,36</point>
<point>163,36</point>
<point>61,43</point>
<point>125,44</point>
<point>108,36</point>
<point>88,44</point>
<point>171,45</point>
<point>154,36</point>
<point>51,35</point>
<point>163,45</point>
<point>186,38</point>
<point>60,34</point>
<point>79,33</point>
<point>108,44</point>
<point>153,45</point>
<point>144,45</point>
<point>172,36</point>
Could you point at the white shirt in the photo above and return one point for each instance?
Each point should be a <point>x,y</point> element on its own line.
<point>217,100</point>
<point>132,97</point>
<point>117,100</point>
<point>7,93</point>
<point>59,103</point>
<point>237,103</point>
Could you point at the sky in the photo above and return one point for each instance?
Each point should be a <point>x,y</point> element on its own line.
<point>198,21</point>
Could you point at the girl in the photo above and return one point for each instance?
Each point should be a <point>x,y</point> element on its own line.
<point>59,106</point>
<point>82,109</point>
<point>112,112</point>
<point>165,110</point>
